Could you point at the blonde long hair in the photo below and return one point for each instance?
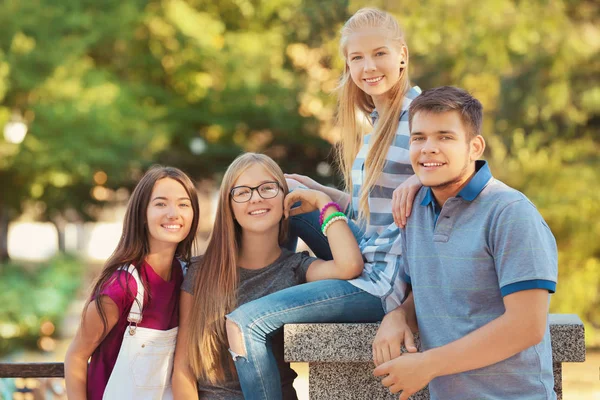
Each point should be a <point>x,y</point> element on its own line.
<point>351,99</point>
<point>216,280</point>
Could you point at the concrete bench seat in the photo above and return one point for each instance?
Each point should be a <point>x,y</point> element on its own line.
<point>341,366</point>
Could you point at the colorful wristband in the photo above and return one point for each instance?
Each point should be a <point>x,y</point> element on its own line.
<point>332,221</point>
<point>329,218</point>
<point>325,207</point>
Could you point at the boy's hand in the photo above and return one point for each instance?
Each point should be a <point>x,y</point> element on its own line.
<point>392,333</point>
<point>403,198</point>
<point>409,373</point>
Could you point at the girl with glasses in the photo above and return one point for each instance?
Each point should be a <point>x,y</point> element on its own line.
<point>380,184</point>
<point>243,262</point>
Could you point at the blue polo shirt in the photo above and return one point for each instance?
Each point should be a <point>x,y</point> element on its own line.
<point>461,260</point>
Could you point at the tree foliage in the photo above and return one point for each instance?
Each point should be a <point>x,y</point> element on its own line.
<point>109,87</point>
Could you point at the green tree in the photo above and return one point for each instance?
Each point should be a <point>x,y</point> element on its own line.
<point>107,87</point>
<point>61,70</point>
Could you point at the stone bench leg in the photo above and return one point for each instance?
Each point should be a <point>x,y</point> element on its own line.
<point>349,381</point>
<point>354,381</point>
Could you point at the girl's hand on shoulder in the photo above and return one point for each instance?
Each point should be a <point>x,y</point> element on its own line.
<point>294,184</point>
<point>403,198</point>
<point>303,180</point>
<point>310,200</point>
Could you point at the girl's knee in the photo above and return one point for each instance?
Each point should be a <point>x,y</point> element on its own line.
<point>235,339</point>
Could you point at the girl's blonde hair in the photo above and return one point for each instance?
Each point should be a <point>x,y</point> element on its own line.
<point>352,99</point>
<point>216,279</point>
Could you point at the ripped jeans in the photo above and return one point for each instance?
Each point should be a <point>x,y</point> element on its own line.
<point>324,301</point>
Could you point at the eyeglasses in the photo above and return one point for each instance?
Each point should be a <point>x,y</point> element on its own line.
<point>243,194</point>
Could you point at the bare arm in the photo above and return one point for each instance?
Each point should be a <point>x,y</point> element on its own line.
<point>522,325</point>
<point>396,329</point>
<point>347,260</point>
<point>183,380</point>
<point>87,339</point>
<point>342,198</point>
<point>403,198</point>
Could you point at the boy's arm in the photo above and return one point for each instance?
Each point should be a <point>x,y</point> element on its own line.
<point>521,326</point>
<point>525,259</point>
<point>397,328</point>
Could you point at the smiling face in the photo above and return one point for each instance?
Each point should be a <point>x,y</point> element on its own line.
<point>374,60</point>
<point>169,215</point>
<point>258,214</point>
<point>442,151</point>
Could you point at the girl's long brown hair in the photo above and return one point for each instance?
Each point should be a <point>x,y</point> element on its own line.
<point>133,247</point>
<point>216,280</point>
<point>351,99</point>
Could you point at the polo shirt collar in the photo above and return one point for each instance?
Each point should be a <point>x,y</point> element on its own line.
<point>477,183</point>
<point>472,189</point>
<point>428,199</point>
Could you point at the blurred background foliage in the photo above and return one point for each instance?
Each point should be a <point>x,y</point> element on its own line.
<point>108,87</point>
<point>35,300</point>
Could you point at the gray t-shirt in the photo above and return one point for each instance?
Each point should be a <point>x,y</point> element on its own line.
<point>288,270</point>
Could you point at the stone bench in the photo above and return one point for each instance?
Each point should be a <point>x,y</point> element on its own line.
<point>341,366</point>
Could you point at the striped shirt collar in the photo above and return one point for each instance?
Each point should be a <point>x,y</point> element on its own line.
<point>471,189</point>
<point>411,94</point>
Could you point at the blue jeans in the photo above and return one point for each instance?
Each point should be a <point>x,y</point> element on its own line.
<point>324,301</point>
<point>306,227</point>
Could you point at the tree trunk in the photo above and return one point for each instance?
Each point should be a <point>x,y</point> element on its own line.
<point>60,224</point>
<point>4,220</point>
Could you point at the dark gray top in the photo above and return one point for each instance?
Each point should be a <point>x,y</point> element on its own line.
<point>288,270</point>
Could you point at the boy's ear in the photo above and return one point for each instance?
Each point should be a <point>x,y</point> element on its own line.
<point>477,147</point>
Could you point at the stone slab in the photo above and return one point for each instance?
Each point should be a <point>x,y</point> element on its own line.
<point>349,381</point>
<point>568,338</point>
<point>352,342</point>
<point>354,381</point>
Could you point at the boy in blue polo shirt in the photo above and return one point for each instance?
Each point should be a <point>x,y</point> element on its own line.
<point>481,262</point>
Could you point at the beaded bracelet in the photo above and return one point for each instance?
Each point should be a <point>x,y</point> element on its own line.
<point>329,218</point>
<point>325,207</point>
<point>331,221</point>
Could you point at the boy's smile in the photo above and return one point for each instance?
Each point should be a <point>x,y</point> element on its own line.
<point>442,152</point>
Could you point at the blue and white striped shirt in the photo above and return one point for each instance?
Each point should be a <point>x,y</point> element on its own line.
<point>380,246</point>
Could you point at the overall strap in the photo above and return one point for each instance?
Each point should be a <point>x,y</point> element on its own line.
<point>135,313</point>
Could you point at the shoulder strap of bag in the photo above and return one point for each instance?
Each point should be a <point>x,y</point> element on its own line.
<point>135,313</point>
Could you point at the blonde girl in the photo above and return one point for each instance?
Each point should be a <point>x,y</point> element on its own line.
<point>379,185</point>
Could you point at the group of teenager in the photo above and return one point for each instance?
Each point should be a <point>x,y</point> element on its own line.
<point>423,238</point>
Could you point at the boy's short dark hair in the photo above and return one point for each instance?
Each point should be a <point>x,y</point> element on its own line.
<point>450,98</point>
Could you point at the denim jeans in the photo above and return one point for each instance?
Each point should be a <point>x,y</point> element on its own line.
<point>324,301</point>
<point>306,227</point>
